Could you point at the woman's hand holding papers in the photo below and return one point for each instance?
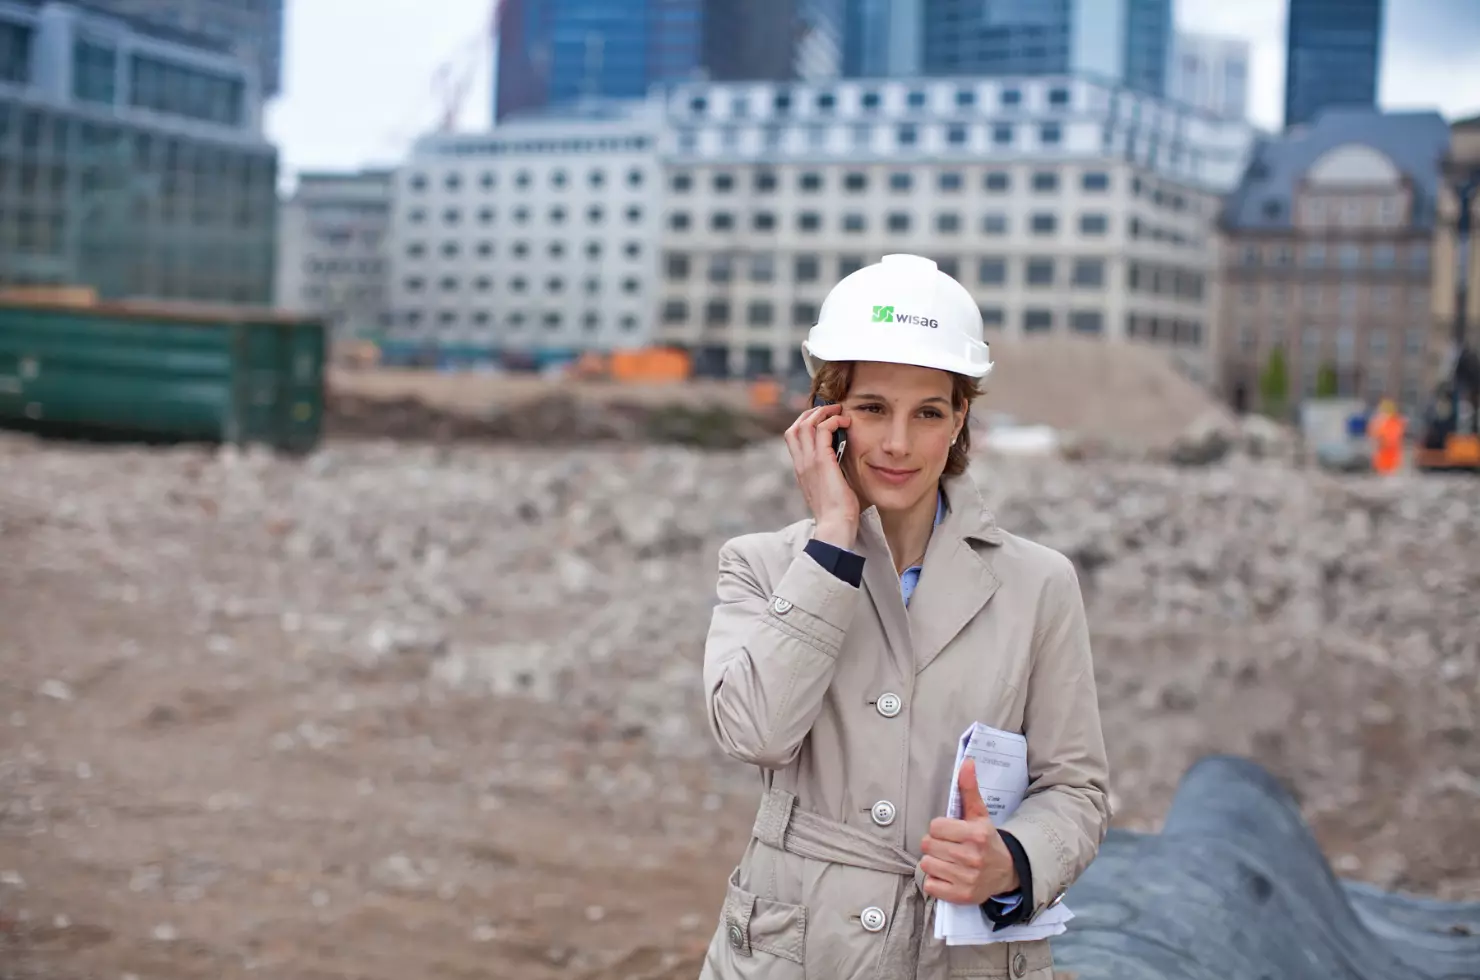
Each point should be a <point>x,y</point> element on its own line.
<point>965,860</point>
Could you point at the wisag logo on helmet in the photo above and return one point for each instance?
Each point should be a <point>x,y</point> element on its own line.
<point>884,314</point>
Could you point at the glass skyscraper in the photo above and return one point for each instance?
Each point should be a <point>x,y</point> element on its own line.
<point>1331,56</point>
<point>1128,41</point>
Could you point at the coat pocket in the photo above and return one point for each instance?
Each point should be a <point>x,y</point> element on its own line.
<point>757,938</point>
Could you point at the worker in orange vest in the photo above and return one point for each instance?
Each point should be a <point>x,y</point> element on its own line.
<point>1385,429</point>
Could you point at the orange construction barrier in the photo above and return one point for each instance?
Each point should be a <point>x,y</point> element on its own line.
<point>1386,432</point>
<point>649,364</point>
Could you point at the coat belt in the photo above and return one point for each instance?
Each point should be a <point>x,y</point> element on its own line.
<point>781,824</point>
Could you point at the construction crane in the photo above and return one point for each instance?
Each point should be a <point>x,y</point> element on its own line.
<point>454,77</point>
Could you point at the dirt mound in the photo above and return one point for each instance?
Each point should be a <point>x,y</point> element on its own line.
<point>1127,395</point>
<point>551,420</point>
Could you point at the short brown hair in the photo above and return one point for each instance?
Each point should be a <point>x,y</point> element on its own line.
<point>834,379</point>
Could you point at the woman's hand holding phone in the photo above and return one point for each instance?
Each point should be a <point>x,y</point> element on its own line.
<point>820,476</point>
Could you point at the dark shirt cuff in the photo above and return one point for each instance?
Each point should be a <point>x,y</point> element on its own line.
<point>1000,919</point>
<point>844,564</point>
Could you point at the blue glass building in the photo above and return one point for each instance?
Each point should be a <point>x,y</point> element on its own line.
<point>1332,50</point>
<point>1122,40</point>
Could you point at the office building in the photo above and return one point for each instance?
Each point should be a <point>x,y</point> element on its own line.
<point>1128,41</point>
<point>554,53</point>
<point>1211,73</point>
<point>131,159</point>
<point>1327,268</point>
<point>1332,53</point>
<point>1064,205</point>
<point>537,240</point>
<point>333,234</point>
<point>1462,164</point>
<point>882,38</point>
<point>253,30</point>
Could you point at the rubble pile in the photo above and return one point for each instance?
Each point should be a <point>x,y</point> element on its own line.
<point>503,627</point>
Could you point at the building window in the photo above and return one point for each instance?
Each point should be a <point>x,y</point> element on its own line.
<point>759,314</point>
<point>949,181</point>
<point>522,179</point>
<point>557,215</point>
<point>956,134</point>
<point>1043,223</point>
<point>722,221</point>
<point>765,181</point>
<point>557,178</point>
<point>993,317</point>
<point>594,214</point>
<point>810,182</point>
<point>809,221</point>
<point>1418,258</point>
<point>950,266</point>
<point>855,182</point>
<point>763,221</point>
<point>448,284</point>
<point>593,250</point>
<point>724,183</point>
<point>898,222</point>
<point>869,100</point>
<point>1058,97</point>
<point>826,101</point>
<point>451,216</point>
<point>635,178</point>
<point>997,181</point>
<point>675,311</point>
<point>804,314</point>
<point>762,267</point>
<point>916,99</point>
<point>807,268</point>
<point>518,284</point>
<point>415,284</point>
<point>863,136</point>
<point>900,181</point>
<point>716,313</point>
<point>1384,256</point>
<point>630,285</point>
<point>416,250</point>
<point>485,216</point>
<point>853,223</point>
<point>1095,181</point>
<point>1350,256</point>
<point>1037,320</point>
<point>1039,272</point>
<point>721,268</point>
<point>965,98</point>
<point>849,264</point>
<point>1315,256</point>
<point>555,284</point>
<point>1050,134</point>
<point>1011,98</point>
<point>948,222</point>
<point>593,286</point>
<point>1086,321</point>
<point>418,182</point>
<point>1089,273</point>
<point>1093,224</point>
<point>991,271</point>
<point>634,215</point>
<point>1377,342</point>
<point>994,224</point>
<point>1045,182</point>
<point>450,250</point>
<point>682,182</point>
<point>907,134</point>
<point>1002,134</point>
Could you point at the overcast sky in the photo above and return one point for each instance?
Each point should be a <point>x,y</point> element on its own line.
<point>361,76</point>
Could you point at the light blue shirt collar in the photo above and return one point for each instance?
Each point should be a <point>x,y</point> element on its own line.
<point>910,577</point>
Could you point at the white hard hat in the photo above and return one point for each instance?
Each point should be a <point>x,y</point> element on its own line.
<point>902,310</point>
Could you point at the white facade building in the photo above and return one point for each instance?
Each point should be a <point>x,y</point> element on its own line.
<point>1062,204</point>
<point>1211,73</point>
<point>331,256</point>
<point>538,238</point>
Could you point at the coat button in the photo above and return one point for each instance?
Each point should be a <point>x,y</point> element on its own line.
<point>780,606</point>
<point>737,938</point>
<point>889,705</point>
<point>872,918</point>
<point>1019,965</point>
<point>883,813</point>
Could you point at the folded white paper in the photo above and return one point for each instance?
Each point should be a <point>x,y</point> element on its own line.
<point>1002,777</point>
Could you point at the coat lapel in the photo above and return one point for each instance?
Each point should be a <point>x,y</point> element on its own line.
<point>957,579</point>
<point>883,588</point>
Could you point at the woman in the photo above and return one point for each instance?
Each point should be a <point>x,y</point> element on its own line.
<point>850,651</point>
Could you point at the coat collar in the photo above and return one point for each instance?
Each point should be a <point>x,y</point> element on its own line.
<point>956,579</point>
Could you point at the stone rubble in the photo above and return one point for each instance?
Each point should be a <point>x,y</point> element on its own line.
<point>389,595</point>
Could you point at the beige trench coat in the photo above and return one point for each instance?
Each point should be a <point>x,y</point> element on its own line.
<point>851,707</point>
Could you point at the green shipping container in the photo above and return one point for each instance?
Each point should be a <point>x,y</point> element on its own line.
<point>163,372</point>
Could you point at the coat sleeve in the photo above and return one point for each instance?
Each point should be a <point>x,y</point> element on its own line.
<point>770,657</point>
<point>1062,821</point>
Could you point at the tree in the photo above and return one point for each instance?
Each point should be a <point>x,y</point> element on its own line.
<point>1326,381</point>
<point>1274,385</point>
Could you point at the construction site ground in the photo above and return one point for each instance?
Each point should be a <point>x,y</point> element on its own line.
<point>410,710</point>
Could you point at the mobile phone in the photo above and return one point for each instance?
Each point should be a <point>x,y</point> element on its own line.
<point>840,436</point>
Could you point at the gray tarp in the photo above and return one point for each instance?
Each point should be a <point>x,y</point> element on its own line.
<point>1235,888</point>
